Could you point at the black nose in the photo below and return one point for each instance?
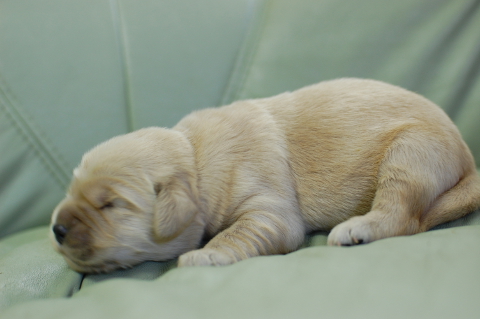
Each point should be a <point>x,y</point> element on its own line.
<point>60,232</point>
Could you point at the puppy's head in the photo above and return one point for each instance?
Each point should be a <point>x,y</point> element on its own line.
<point>132,199</point>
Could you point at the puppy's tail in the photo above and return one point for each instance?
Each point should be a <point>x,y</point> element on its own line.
<point>458,201</point>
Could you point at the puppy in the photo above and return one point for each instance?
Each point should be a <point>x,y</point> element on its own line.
<point>360,158</point>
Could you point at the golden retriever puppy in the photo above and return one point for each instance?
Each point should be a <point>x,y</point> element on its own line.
<point>360,158</point>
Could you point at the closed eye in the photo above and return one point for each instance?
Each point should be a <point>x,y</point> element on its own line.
<point>107,205</point>
<point>157,188</point>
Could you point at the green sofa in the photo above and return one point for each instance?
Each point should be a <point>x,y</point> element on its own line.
<point>75,73</point>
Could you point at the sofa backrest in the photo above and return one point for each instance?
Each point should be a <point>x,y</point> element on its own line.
<point>75,73</point>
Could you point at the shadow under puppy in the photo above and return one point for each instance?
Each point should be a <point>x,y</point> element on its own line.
<point>364,159</point>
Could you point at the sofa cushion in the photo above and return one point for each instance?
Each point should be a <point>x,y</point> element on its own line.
<point>429,275</point>
<point>74,73</point>
<point>30,269</point>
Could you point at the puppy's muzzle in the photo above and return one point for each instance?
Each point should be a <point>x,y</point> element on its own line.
<point>71,232</point>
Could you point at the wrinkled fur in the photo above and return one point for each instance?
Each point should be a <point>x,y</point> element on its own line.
<point>361,158</point>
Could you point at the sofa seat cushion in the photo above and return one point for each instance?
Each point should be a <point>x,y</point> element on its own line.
<point>31,269</point>
<point>429,275</point>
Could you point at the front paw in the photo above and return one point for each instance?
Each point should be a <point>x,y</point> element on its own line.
<point>355,231</point>
<point>205,257</point>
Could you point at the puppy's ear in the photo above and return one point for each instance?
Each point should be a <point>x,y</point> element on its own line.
<point>175,208</point>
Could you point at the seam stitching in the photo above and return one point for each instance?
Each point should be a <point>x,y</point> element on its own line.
<point>51,159</point>
<point>246,54</point>
<point>122,42</point>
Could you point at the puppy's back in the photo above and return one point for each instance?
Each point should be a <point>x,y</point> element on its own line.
<point>338,133</point>
<point>333,135</point>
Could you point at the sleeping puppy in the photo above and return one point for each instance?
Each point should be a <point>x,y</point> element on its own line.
<point>360,158</point>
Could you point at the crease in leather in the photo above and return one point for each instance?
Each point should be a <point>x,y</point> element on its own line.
<point>439,52</point>
<point>121,36</point>
<point>462,92</point>
<point>10,172</point>
<point>246,55</point>
<point>13,220</point>
<point>44,150</point>
<point>80,284</point>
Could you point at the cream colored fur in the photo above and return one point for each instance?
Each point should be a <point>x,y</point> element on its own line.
<point>364,159</point>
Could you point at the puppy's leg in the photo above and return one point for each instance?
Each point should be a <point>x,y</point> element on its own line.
<point>253,234</point>
<point>416,169</point>
<point>457,202</point>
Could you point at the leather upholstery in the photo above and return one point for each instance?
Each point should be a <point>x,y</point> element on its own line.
<point>74,73</point>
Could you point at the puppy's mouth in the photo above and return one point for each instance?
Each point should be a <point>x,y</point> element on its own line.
<point>97,261</point>
<point>92,265</point>
<point>98,267</point>
<point>85,261</point>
